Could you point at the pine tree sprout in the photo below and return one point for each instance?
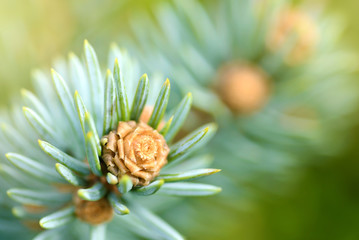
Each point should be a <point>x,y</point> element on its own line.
<point>98,154</point>
<point>296,26</point>
<point>243,88</point>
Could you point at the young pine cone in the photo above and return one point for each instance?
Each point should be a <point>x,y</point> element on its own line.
<point>136,150</point>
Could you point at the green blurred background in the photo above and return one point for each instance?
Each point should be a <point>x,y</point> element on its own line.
<point>322,202</point>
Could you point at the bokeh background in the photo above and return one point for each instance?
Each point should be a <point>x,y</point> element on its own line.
<point>322,201</point>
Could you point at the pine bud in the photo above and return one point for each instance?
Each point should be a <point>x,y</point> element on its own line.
<point>293,23</point>
<point>242,87</point>
<point>136,150</point>
<point>93,212</point>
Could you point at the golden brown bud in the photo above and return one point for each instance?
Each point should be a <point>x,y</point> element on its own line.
<point>242,87</point>
<point>93,212</point>
<point>297,24</point>
<point>136,150</point>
